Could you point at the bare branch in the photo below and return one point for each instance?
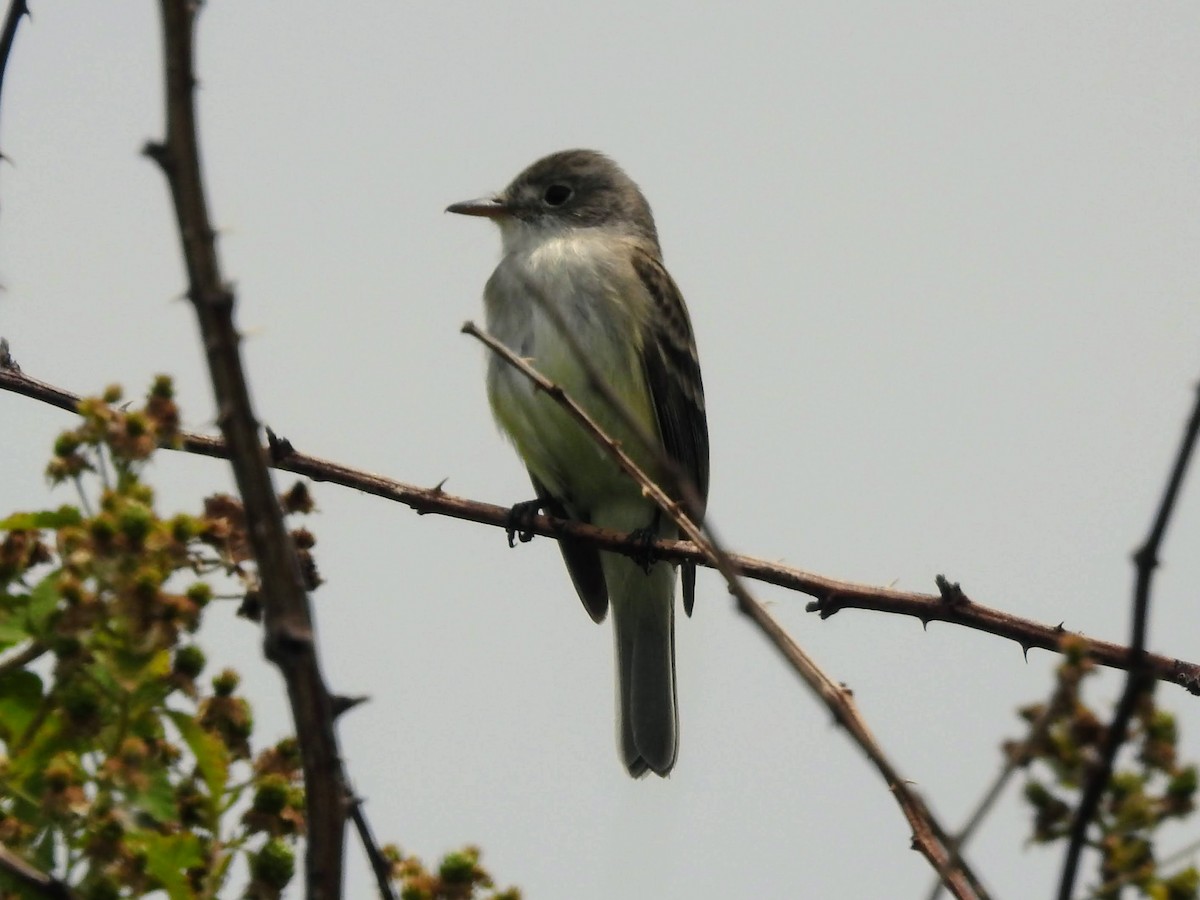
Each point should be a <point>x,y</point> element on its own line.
<point>288,625</point>
<point>17,10</point>
<point>928,836</point>
<point>1140,676</point>
<point>20,659</point>
<point>832,594</point>
<point>32,878</point>
<point>1016,757</point>
<point>959,610</point>
<point>379,865</point>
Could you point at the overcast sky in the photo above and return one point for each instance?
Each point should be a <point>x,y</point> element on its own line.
<point>943,263</point>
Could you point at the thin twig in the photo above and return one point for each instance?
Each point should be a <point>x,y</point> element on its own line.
<point>1139,678</point>
<point>287,619</point>
<point>33,878</point>
<point>928,836</point>
<point>379,865</point>
<point>1107,889</point>
<point>1015,758</point>
<point>832,594</point>
<point>21,658</point>
<point>17,10</point>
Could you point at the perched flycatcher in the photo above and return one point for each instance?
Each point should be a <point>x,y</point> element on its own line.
<point>578,236</point>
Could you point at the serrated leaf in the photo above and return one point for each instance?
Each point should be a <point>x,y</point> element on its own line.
<point>28,767</point>
<point>20,700</point>
<point>168,857</point>
<point>48,518</point>
<point>136,671</point>
<point>158,799</point>
<point>212,758</point>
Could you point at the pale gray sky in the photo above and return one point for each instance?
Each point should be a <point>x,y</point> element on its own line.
<point>943,262</point>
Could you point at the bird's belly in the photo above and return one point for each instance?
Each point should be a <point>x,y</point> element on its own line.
<point>564,457</point>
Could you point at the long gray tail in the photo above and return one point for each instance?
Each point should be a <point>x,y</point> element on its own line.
<point>643,606</point>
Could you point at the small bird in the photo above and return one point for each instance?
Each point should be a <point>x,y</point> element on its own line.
<point>578,236</point>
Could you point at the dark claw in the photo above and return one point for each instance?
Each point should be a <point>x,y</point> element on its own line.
<point>643,539</point>
<point>517,526</point>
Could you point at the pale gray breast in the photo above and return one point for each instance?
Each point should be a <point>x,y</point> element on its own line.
<point>587,279</point>
<point>597,294</point>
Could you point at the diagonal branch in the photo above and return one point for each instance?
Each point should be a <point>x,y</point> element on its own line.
<point>1140,677</point>
<point>32,879</point>
<point>380,867</point>
<point>832,595</point>
<point>288,627</point>
<point>928,836</point>
<point>1016,757</point>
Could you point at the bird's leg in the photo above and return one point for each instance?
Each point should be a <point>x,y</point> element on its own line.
<point>519,517</point>
<point>643,539</point>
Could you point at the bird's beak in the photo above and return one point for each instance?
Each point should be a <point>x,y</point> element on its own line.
<point>488,207</point>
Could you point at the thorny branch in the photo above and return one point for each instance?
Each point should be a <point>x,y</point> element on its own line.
<point>379,864</point>
<point>1016,757</point>
<point>928,836</point>
<point>832,594</point>
<point>288,626</point>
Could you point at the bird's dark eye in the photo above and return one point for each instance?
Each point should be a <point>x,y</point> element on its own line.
<point>557,194</point>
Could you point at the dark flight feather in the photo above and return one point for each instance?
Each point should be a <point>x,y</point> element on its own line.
<point>673,378</point>
<point>583,560</point>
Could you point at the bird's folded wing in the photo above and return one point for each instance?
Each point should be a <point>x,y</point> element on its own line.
<point>672,372</point>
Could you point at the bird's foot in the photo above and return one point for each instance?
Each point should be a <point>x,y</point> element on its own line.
<point>642,541</point>
<point>519,520</point>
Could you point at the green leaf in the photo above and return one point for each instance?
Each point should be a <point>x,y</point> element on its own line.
<point>212,758</point>
<point>33,521</point>
<point>27,768</point>
<point>43,851</point>
<point>218,870</point>
<point>158,799</point>
<point>43,601</point>
<point>168,857</point>
<point>100,671</point>
<point>13,629</point>
<point>20,699</point>
<point>138,672</point>
<point>25,616</point>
